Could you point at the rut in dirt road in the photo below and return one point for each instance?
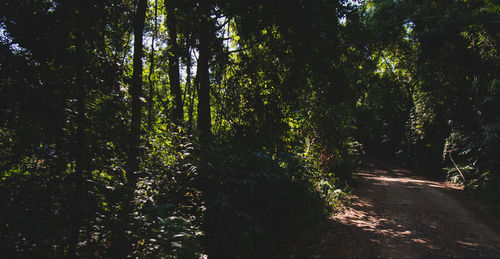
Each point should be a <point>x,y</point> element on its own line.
<point>396,214</point>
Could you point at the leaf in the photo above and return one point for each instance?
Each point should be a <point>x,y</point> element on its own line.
<point>176,244</point>
<point>182,235</point>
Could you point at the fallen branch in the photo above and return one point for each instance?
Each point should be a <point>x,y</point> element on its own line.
<point>456,166</point>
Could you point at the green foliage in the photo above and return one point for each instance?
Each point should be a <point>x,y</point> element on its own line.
<point>476,145</point>
<point>169,208</point>
<point>426,56</point>
<point>299,91</point>
<point>253,200</point>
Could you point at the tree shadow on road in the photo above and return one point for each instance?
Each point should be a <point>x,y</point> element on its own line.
<point>395,214</point>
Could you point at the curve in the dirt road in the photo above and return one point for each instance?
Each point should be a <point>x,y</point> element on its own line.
<point>396,214</point>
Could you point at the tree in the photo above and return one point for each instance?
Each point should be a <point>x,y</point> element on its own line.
<point>136,94</point>
<point>173,63</point>
<point>202,74</point>
<point>121,245</point>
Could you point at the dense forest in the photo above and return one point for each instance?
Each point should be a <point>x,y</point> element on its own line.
<point>182,128</point>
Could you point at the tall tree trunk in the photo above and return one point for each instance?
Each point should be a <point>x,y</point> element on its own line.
<point>188,78</point>
<point>120,244</point>
<point>202,74</point>
<point>135,93</point>
<point>81,160</point>
<point>189,87</point>
<point>151,70</point>
<point>173,64</point>
<point>80,170</point>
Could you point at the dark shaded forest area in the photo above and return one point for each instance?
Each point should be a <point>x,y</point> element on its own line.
<point>183,128</point>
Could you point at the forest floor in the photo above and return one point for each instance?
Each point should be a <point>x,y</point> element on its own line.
<point>397,214</point>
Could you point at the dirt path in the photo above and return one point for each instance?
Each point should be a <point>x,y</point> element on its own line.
<point>396,214</point>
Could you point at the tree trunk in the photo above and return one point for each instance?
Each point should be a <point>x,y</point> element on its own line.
<point>189,88</point>
<point>151,70</point>
<point>135,93</point>
<point>80,170</point>
<point>81,160</point>
<point>121,246</point>
<point>173,64</point>
<point>204,117</point>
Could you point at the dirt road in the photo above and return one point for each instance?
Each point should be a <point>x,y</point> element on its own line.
<point>396,214</point>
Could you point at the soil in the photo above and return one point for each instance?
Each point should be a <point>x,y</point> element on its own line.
<point>397,214</point>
